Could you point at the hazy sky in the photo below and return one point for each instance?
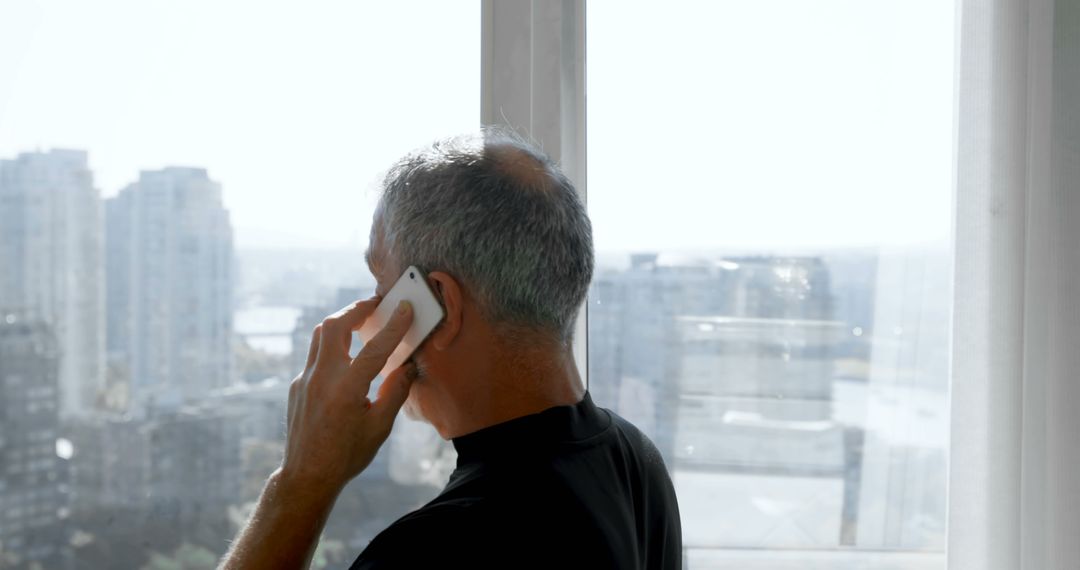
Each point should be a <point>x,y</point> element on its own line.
<point>770,124</point>
<point>295,107</point>
<point>711,124</point>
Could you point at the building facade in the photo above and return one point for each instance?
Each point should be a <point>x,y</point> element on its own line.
<point>50,251</point>
<point>33,500</point>
<point>727,365</point>
<point>169,258</point>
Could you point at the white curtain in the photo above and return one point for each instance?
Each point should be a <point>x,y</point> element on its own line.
<point>1014,483</point>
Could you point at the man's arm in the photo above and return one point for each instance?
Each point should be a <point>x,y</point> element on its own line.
<point>333,433</point>
<point>285,527</point>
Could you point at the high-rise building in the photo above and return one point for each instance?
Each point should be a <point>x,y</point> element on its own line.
<point>50,252</point>
<point>33,500</point>
<point>760,327</point>
<point>727,364</point>
<point>169,255</point>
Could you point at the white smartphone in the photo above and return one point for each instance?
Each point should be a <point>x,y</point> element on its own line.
<point>427,314</point>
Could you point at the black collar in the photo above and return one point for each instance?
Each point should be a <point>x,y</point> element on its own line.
<point>560,424</point>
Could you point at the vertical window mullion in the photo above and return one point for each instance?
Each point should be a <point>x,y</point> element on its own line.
<point>533,80</point>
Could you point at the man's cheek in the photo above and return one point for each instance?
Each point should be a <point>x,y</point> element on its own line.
<point>412,408</point>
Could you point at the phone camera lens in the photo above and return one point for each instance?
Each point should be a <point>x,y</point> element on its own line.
<point>412,275</point>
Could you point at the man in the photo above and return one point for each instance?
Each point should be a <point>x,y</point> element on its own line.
<point>544,478</point>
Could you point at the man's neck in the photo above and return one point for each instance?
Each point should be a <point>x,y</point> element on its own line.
<point>518,387</point>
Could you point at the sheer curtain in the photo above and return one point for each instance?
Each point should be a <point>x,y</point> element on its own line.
<point>1014,496</point>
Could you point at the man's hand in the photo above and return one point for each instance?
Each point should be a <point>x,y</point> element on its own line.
<point>334,430</point>
<point>333,434</point>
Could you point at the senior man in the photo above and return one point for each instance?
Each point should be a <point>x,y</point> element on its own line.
<point>544,477</point>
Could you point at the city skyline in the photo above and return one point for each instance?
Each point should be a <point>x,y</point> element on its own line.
<point>805,392</point>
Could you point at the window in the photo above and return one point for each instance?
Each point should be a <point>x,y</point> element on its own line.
<point>769,186</point>
<point>197,171</point>
<point>770,191</point>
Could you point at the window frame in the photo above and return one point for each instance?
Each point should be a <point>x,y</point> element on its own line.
<point>532,77</point>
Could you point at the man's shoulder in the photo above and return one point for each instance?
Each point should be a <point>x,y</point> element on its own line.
<point>637,442</point>
<point>434,516</point>
<point>480,533</point>
<point>428,532</point>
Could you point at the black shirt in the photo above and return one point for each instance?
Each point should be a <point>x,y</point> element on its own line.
<point>570,487</point>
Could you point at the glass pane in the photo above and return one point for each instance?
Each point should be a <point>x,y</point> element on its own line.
<point>769,185</point>
<point>184,193</point>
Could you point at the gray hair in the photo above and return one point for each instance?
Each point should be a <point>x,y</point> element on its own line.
<point>496,213</point>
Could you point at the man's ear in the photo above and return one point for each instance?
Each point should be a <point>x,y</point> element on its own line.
<point>449,292</point>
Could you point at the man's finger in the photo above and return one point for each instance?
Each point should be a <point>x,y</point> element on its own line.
<point>353,315</point>
<point>295,393</point>
<point>392,395</point>
<point>373,356</point>
<point>313,350</point>
<point>338,327</point>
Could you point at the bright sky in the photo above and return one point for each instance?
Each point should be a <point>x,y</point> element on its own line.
<point>711,124</point>
<point>787,123</point>
<point>294,107</point>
